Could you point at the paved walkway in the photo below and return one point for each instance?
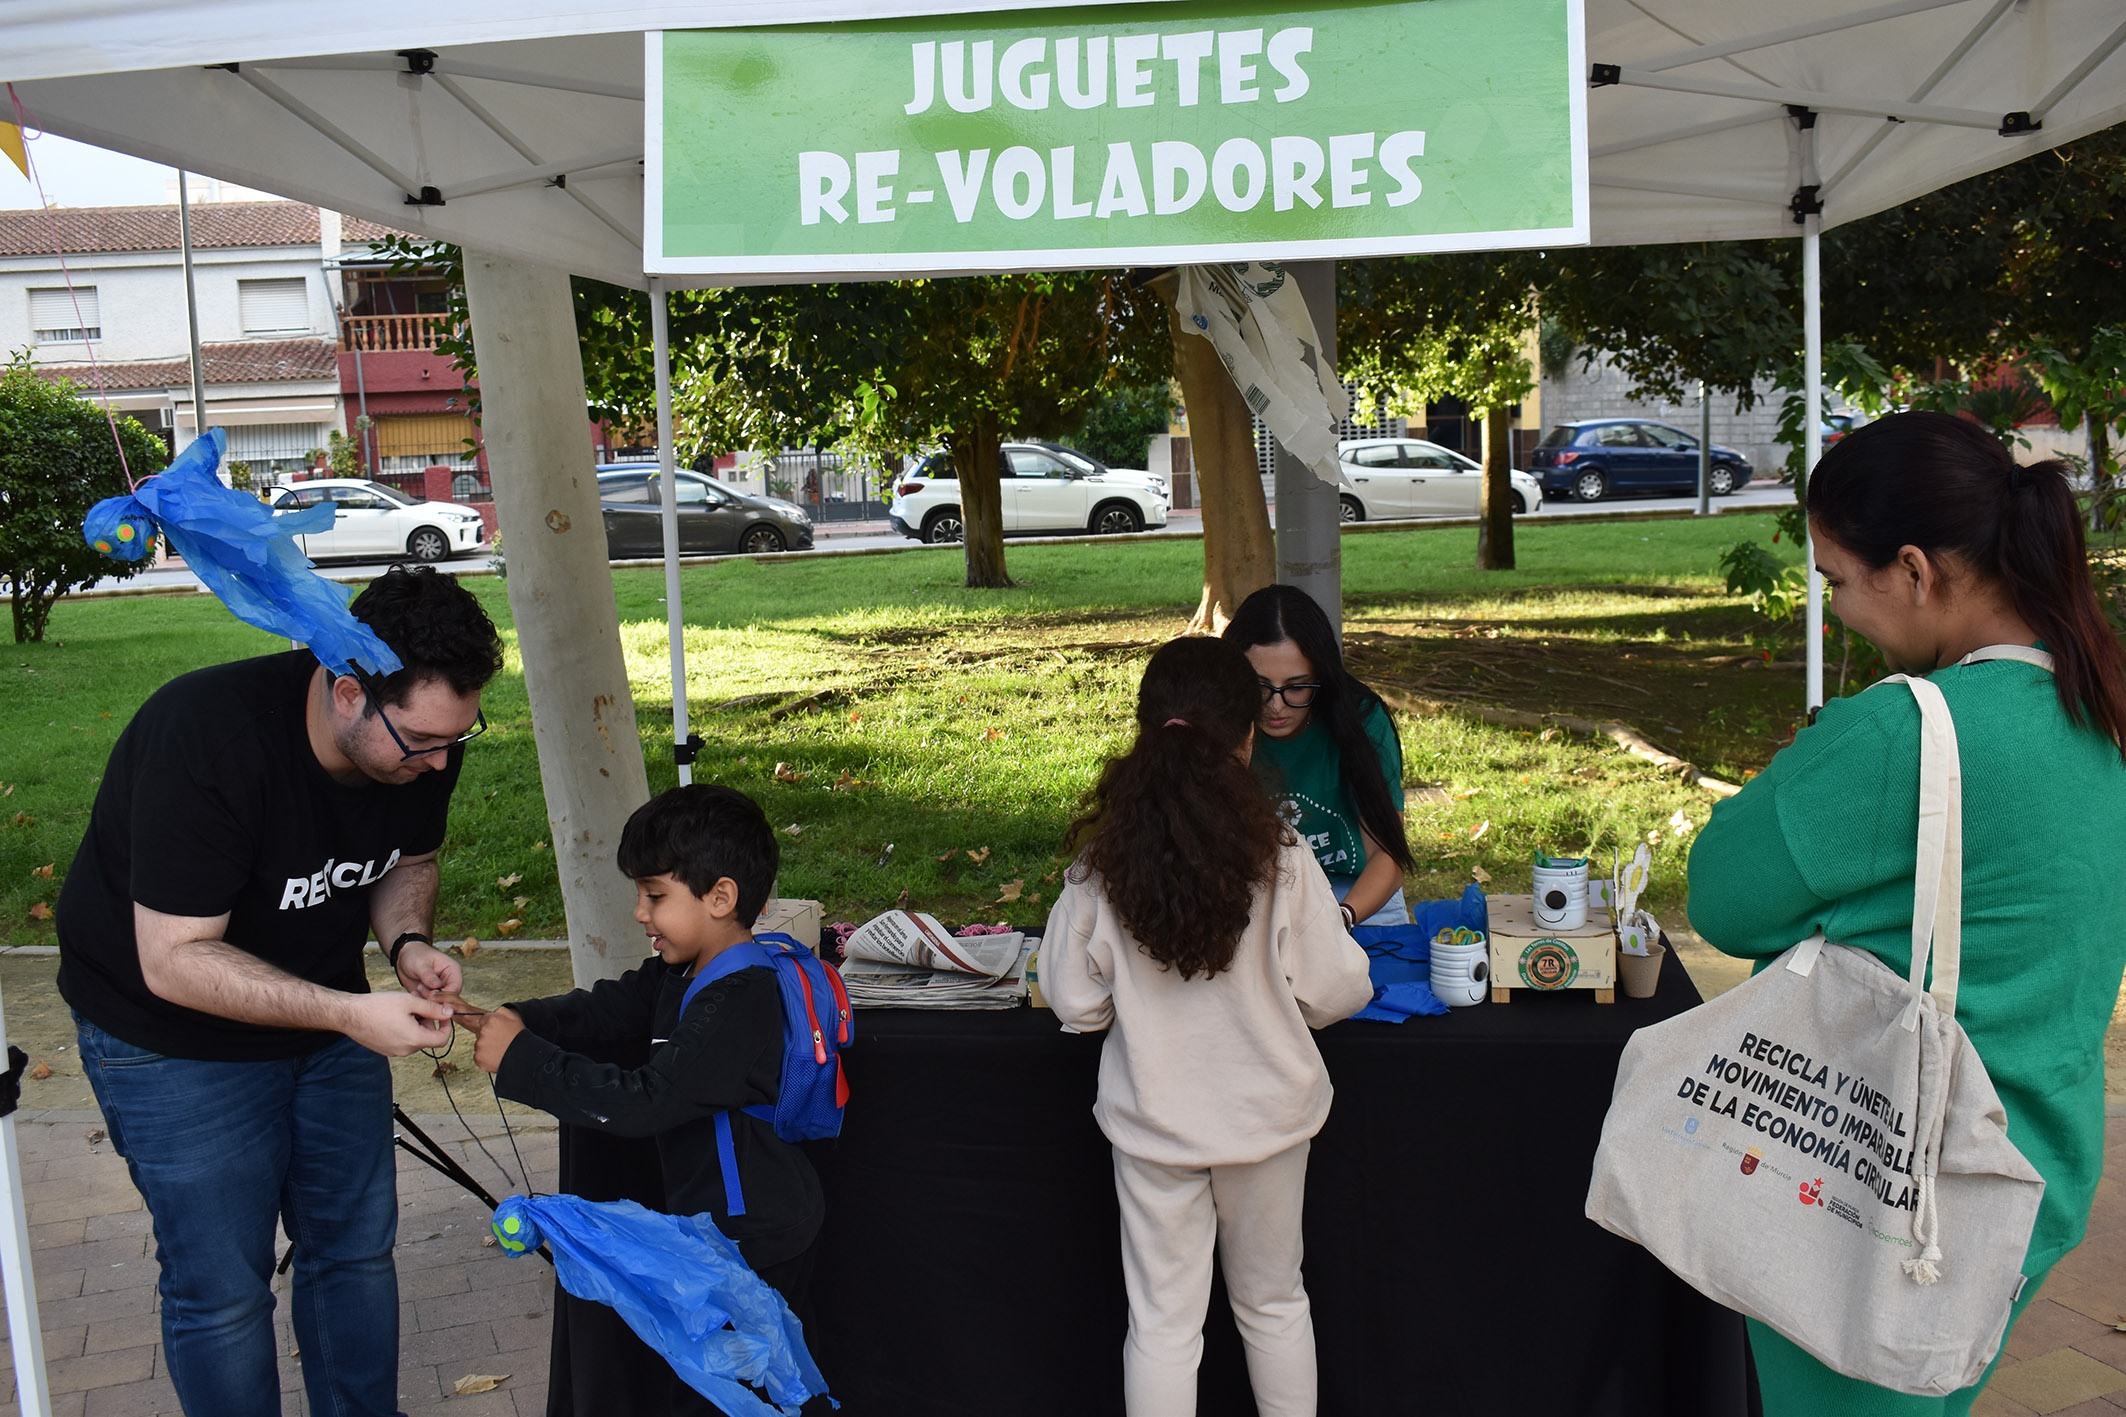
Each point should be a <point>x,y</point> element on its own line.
<point>466,1309</point>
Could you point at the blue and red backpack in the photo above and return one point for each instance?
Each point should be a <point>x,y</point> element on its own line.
<point>817,1025</point>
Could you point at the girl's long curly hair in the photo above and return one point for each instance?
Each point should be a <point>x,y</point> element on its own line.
<point>1177,829</point>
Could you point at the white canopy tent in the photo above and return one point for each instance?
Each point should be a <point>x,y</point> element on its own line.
<point>516,126</point>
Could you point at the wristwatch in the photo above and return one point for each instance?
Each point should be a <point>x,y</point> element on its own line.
<point>391,954</point>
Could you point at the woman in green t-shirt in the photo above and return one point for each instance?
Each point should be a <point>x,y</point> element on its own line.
<point>1327,749</point>
<point>1936,544</point>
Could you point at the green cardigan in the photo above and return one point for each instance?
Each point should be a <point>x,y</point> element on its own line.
<point>1824,839</point>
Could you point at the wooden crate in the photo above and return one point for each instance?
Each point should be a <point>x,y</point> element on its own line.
<point>1525,956</point>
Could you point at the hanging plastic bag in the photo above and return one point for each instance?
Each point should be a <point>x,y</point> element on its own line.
<point>243,551</point>
<point>682,1286</point>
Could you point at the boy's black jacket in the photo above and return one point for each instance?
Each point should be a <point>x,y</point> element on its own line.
<point>725,1054</point>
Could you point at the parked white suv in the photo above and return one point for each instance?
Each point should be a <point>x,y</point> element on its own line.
<point>1408,477</point>
<point>1044,487</point>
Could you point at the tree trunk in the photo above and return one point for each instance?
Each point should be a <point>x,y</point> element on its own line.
<point>2099,472</point>
<point>1494,530</point>
<point>561,595</point>
<point>974,457</point>
<point>1239,556</point>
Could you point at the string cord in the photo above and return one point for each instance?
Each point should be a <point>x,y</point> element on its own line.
<point>51,226</point>
<point>443,1076</point>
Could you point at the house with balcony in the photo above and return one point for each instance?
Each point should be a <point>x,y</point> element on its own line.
<point>113,316</point>
<point>407,406</point>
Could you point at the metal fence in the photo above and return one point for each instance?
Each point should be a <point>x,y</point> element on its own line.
<point>827,485</point>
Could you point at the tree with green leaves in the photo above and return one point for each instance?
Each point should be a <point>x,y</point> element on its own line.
<point>1415,329</point>
<point>57,460</point>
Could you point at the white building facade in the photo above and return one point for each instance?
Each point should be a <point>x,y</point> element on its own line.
<point>265,275</point>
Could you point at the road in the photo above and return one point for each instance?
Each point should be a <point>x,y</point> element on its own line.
<point>874,536</point>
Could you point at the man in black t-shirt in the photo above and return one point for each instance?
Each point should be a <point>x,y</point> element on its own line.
<point>257,822</point>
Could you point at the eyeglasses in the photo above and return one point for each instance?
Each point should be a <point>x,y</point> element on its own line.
<point>1294,695</point>
<point>407,754</point>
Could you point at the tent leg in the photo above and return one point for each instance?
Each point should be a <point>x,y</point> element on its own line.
<point>1705,452</point>
<point>25,1333</point>
<point>560,588</point>
<point>675,618</point>
<point>1309,520</point>
<point>1812,436</point>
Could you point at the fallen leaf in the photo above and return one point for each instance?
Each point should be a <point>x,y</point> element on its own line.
<point>1010,892</point>
<point>950,852</point>
<point>24,819</point>
<point>900,902</point>
<point>478,1382</point>
<point>95,1135</point>
<point>469,945</point>
<point>520,901</point>
<point>487,1242</point>
<point>538,846</point>
<point>785,773</point>
<point>1467,793</point>
<point>792,830</point>
<point>978,857</point>
<point>1049,879</point>
<point>7,791</point>
<point>1653,838</point>
<point>40,911</point>
<point>1708,684</point>
<point>444,1067</point>
<point>505,882</point>
<point>1483,877</point>
<point>856,718</point>
<point>1681,823</point>
<point>1035,898</point>
<point>2120,1326</point>
<point>1547,734</point>
<point>990,735</point>
<point>41,1071</point>
<point>509,926</point>
<point>1478,833</point>
<point>44,872</point>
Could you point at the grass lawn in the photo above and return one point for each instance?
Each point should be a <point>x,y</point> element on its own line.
<point>956,729</point>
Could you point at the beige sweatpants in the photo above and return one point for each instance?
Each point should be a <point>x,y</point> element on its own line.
<point>1172,1218</point>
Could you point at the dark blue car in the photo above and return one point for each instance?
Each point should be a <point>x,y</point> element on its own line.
<point>1595,457</point>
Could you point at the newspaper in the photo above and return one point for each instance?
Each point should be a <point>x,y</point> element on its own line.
<point>1254,316</point>
<point>906,960</point>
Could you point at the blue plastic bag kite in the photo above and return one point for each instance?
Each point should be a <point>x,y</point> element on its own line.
<point>680,1284</point>
<point>1399,957</point>
<point>242,551</point>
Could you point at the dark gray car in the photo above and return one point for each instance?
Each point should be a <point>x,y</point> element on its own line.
<point>714,520</point>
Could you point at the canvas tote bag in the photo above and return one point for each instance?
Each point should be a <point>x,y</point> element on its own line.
<point>1820,1148</point>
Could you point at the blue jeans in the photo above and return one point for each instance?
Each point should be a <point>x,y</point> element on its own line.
<point>1395,910</point>
<point>218,1150</point>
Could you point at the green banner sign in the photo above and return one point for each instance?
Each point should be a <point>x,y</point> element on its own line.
<point>1116,135</point>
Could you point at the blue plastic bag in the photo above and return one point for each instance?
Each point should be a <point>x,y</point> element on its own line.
<point>682,1286</point>
<point>1400,956</point>
<point>242,551</point>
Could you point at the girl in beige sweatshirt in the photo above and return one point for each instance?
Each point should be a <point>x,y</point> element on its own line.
<point>1204,938</point>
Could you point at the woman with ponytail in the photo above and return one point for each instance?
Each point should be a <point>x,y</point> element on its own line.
<point>1327,750</point>
<point>1204,939</point>
<point>1935,544</point>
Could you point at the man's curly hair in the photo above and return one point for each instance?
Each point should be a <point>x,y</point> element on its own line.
<point>435,627</point>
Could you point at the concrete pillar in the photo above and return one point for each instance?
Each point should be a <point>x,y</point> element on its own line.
<point>1309,523</point>
<point>561,595</point>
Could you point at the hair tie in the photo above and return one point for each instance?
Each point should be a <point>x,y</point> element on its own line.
<point>1173,722</point>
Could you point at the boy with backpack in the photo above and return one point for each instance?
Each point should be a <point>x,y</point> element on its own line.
<point>703,859</point>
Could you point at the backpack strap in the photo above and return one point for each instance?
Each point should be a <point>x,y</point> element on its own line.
<point>746,954</point>
<point>2025,653</point>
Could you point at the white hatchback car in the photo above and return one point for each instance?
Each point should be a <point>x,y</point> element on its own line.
<point>1043,487</point>
<point>1408,477</point>
<point>381,522</point>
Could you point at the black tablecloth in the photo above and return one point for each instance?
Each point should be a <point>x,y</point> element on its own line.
<point>970,1260</point>
<point>969,1266</point>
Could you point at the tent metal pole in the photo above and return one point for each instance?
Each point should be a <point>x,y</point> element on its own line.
<point>1705,452</point>
<point>1812,424</point>
<point>667,463</point>
<point>184,242</point>
<point>24,1331</point>
<point>495,125</point>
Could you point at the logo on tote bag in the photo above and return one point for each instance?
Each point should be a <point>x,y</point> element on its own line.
<point>1750,1159</point>
<point>1812,1194</point>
